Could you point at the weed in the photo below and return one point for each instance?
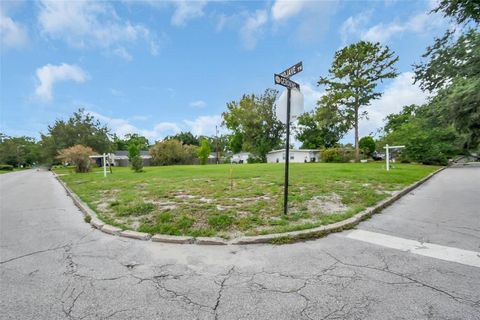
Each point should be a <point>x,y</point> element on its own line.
<point>87,218</point>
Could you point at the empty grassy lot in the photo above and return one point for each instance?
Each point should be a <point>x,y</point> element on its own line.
<point>233,200</point>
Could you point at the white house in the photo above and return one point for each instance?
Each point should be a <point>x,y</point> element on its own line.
<point>241,157</point>
<point>298,156</point>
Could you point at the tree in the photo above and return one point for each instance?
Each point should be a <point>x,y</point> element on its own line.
<point>81,128</point>
<point>367,145</point>
<point>19,151</point>
<point>353,77</point>
<point>131,138</point>
<point>134,158</point>
<point>172,152</point>
<point>185,138</point>
<point>427,136</point>
<point>321,128</point>
<point>461,10</point>
<point>203,151</point>
<point>78,155</point>
<point>254,124</point>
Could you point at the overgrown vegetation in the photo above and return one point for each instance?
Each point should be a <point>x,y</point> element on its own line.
<point>77,155</point>
<point>227,200</point>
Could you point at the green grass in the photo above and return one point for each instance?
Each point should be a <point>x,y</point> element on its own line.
<point>208,200</point>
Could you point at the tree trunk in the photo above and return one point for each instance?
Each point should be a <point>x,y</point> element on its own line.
<point>357,147</point>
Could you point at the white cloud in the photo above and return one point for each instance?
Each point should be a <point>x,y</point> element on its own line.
<point>123,53</point>
<point>12,34</point>
<point>49,74</point>
<point>198,104</point>
<point>122,127</point>
<point>251,29</point>
<point>186,10</point>
<point>356,26</point>
<point>283,9</point>
<point>353,24</point>
<point>204,125</point>
<point>311,94</point>
<point>91,24</point>
<point>420,23</point>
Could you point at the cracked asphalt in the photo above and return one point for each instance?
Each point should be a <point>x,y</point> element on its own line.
<point>55,266</point>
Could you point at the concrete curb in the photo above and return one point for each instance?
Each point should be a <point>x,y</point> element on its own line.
<point>292,236</point>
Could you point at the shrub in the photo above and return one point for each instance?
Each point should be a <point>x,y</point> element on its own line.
<point>136,161</point>
<point>367,145</point>
<point>172,152</point>
<point>203,151</point>
<point>87,218</point>
<point>6,167</point>
<point>336,154</point>
<point>78,155</point>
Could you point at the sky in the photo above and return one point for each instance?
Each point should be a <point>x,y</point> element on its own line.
<point>160,67</point>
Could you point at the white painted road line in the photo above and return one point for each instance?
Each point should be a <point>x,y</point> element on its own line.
<point>469,258</point>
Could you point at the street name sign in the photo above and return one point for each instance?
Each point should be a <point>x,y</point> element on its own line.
<point>284,113</point>
<point>286,82</point>
<point>292,70</point>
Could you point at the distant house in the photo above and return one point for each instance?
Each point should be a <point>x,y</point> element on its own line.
<point>298,156</point>
<point>119,158</point>
<point>241,157</point>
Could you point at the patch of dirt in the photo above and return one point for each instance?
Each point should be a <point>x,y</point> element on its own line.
<point>185,196</point>
<point>328,204</point>
<point>206,200</point>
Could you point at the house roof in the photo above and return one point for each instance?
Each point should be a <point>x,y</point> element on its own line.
<point>295,150</point>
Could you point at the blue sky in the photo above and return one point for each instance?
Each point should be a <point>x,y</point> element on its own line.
<point>156,68</point>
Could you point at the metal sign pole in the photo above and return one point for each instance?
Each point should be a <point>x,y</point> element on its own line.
<point>387,156</point>
<point>287,155</point>
<point>104,165</point>
<point>283,79</point>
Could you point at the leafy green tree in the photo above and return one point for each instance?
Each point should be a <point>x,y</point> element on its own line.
<point>321,128</point>
<point>450,70</point>
<point>353,77</point>
<point>19,151</point>
<point>185,138</point>
<point>134,158</point>
<point>462,11</point>
<point>123,144</point>
<point>253,123</point>
<point>367,145</point>
<point>81,128</point>
<point>428,138</point>
<point>203,151</point>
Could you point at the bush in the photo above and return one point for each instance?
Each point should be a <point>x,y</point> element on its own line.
<point>172,152</point>
<point>6,167</point>
<point>78,155</point>
<point>136,161</point>
<point>203,151</point>
<point>367,145</point>
<point>337,154</point>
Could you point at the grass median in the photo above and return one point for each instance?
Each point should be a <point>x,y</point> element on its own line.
<point>234,200</point>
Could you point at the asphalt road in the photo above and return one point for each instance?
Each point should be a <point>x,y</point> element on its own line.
<point>417,260</point>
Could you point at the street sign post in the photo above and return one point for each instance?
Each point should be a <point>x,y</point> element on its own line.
<point>283,79</point>
<point>387,154</point>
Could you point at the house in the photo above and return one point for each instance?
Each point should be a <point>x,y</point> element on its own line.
<point>298,156</point>
<point>241,157</point>
<point>119,158</point>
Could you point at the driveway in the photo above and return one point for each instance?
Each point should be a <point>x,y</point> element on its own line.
<point>417,260</point>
